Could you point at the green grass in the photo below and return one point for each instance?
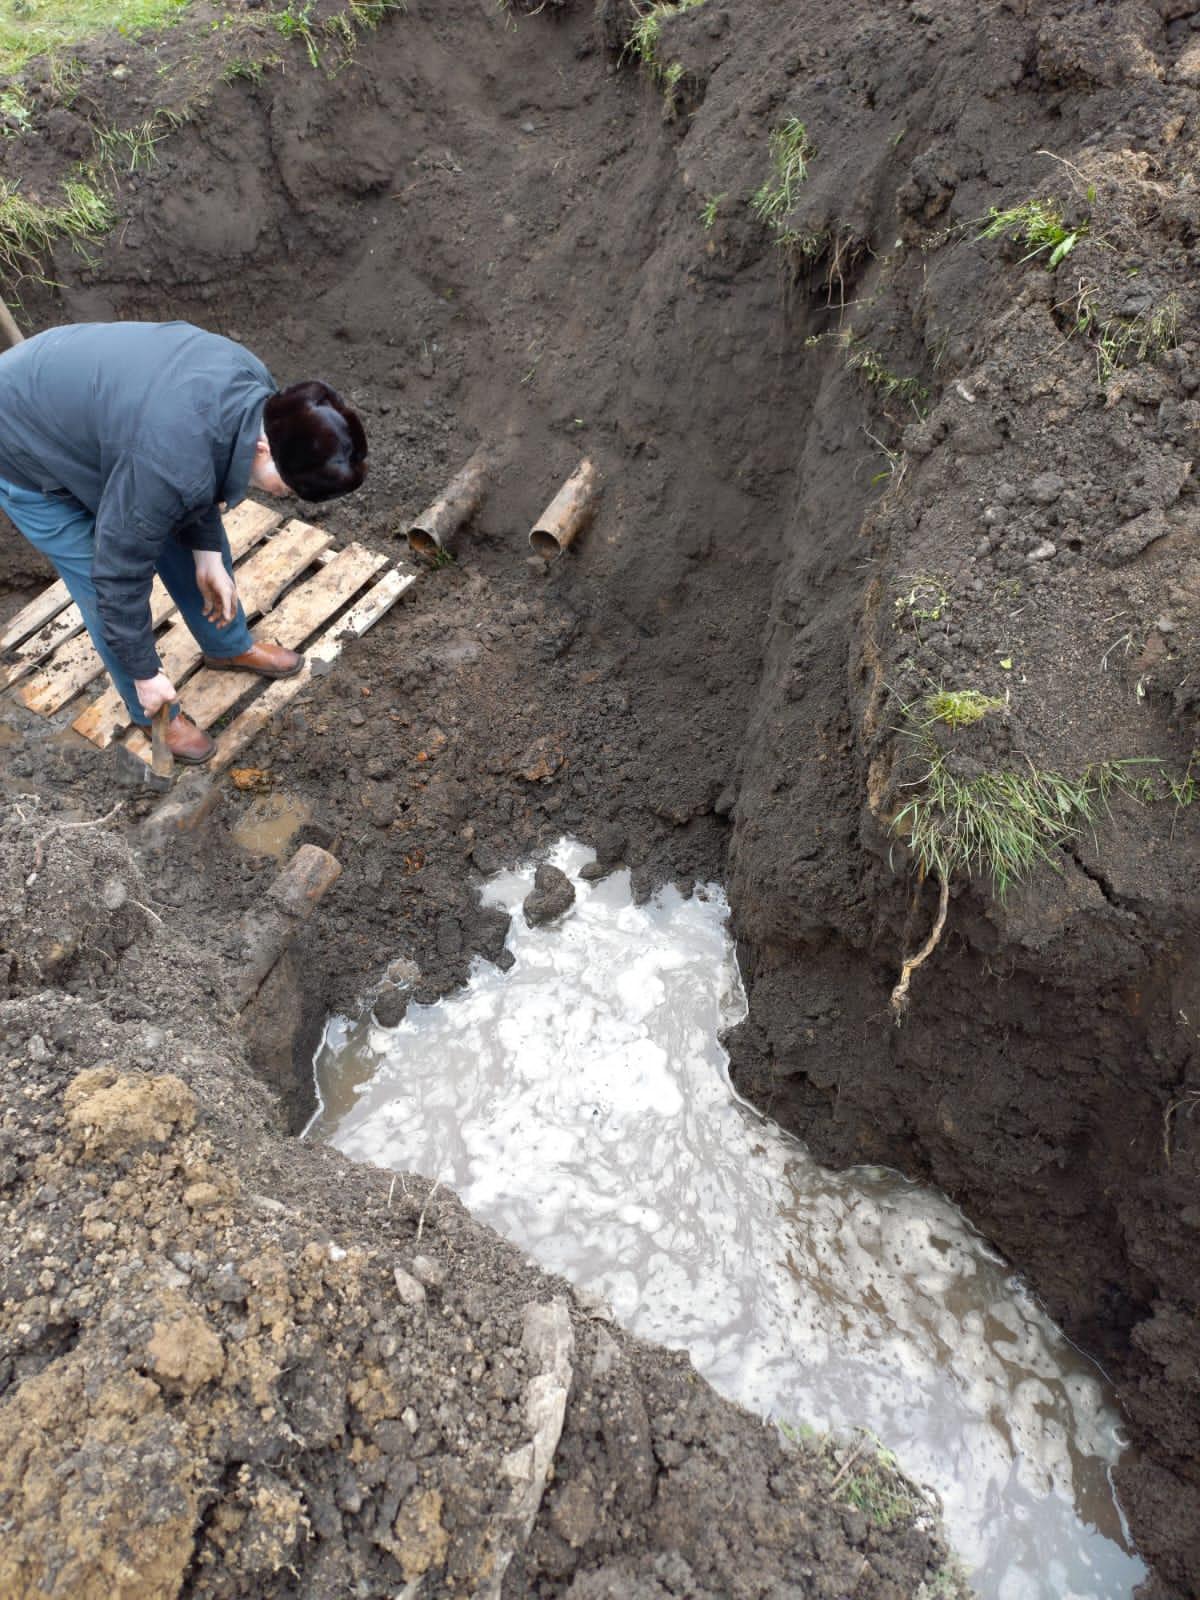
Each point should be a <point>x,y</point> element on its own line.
<point>712,205</point>
<point>959,708</point>
<point>1039,226</point>
<point>862,1473</point>
<point>14,114</point>
<point>861,358</point>
<point>1122,342</point>
<point>132,149</point>
<point>897,465</point>
<point>923,599</point>
<point>28,228</point>
<point>36,27</point>
<point>997,825</point>
<point>245,69</point>
<point>881,1492</point>
<point>791,151</point>
<point>295,22</point>
<point>645,38</point>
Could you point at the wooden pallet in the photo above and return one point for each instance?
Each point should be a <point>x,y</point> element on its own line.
<point>286,575</point>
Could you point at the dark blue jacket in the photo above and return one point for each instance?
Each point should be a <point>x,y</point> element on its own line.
<point>150,425</point>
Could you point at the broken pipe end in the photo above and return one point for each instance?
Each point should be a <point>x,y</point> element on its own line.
<point>569,511</point>
<point>457,503</point>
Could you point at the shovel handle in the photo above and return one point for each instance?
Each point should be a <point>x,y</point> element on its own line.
<point>162,762</point>
<point>8,327</point>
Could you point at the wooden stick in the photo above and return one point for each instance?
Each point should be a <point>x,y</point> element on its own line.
<point>162,762</point>
<point>9,327</point>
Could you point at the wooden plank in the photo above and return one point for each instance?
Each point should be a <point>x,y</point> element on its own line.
<point>103,718</point>
<point>246,524</point>
<point>211,694</point>
<point>33,616</point>
<point>264,577</point>
<point>233,739</point>
<point>38,646</point>
<point>245,527</point>
<point>77,662</point>
<point>308,607</point>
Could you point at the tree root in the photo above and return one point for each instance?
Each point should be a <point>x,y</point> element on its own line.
<point>900,992</point>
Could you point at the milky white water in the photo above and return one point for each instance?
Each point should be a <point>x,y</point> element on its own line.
<point>580,1103</point>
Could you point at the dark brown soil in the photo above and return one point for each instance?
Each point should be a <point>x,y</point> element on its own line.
<point>489,227</point>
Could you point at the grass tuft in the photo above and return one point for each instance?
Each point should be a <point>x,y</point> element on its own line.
<point>791,151</point>
<point>1039,226</point>
<point>998,825</point>
<point>861,358</point>
<point>28,229</point>
<point>712,206</point>
<point>1124,342</point>
<point>923,599</point>
<point>645,37</point>
<point>959,708</point>
<point>131,149</point>
<point>14,114</point>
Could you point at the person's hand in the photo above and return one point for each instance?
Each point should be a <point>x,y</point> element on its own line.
<point>154,693</point>
<point>216,586</point>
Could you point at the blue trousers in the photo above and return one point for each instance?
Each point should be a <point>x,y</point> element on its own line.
<point>65,531</point>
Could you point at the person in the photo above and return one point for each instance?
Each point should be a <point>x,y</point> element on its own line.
<point>120,443</point>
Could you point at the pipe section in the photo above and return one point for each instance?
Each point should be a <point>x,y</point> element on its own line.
<point>570,510</point>
<point>456,504</point>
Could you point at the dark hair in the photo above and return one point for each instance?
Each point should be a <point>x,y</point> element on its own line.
<point>317,442</point>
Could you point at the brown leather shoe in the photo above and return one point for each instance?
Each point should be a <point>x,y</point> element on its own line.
<point>268,660</point>
<point>187,742</point>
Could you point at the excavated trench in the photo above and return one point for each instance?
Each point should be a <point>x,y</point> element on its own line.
<point>852,1301</point>
<point>490,229</point>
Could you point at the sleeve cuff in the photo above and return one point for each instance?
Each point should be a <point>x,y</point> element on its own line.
<point>200,531</point>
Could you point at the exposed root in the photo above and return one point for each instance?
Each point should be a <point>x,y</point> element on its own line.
<point>900,992</point>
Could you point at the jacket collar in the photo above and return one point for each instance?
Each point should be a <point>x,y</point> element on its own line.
<point>237,480</point>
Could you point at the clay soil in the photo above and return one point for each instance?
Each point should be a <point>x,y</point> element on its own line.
<point>847,460</point>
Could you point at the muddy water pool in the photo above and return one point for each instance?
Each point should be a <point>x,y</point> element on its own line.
<point>580,1103</point>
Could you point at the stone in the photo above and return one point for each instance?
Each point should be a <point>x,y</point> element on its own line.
<point>553,895</point>
<point>410,1291</point>
<point>429,1272</point>
<point>391,1007</point>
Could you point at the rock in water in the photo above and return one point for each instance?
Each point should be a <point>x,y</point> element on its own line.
<point>553,893</point>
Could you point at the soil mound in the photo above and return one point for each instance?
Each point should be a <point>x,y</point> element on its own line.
<point>234,1365</point>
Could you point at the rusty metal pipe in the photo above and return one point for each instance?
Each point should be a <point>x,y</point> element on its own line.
<point>457,503</point>
<point>570,510</point>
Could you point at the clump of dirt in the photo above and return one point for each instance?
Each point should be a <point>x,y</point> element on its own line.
<point>233,1365</point>
<point>852,452</point>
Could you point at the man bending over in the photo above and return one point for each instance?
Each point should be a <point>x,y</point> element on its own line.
<point>119,444</point>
